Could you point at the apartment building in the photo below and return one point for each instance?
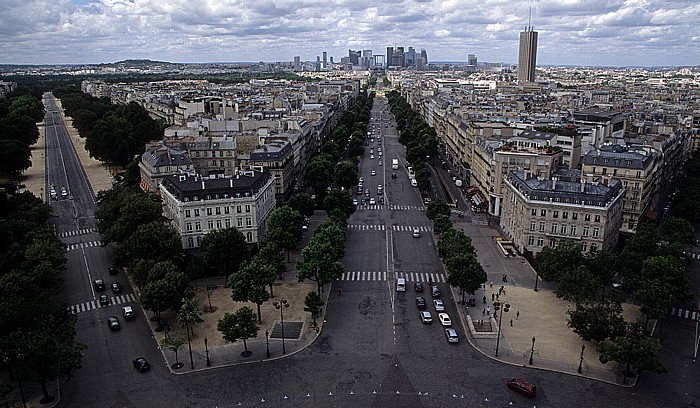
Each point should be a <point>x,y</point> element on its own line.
<point>160,161</point>
<point>197,205</point>
<point>540,211</point>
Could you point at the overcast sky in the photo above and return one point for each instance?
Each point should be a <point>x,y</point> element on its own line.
<point>572,32</point>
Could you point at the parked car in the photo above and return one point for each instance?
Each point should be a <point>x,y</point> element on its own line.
<point>420,302</point>
<point>444,319</point>
<point>141,364</point>
<point>439,306</point>
<point>113,323</point>
<point>113,270</point>
<point>451,335</point>
<point>128,312</point>
<point>418,287</point>
<point>435,291</point>
<point>524,387</point>
<point>426,317</point>
<point>372,201</point>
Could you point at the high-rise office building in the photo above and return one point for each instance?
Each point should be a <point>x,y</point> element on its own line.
<point>354,57</point>
<point>389,55</point>
<point>527,55</point>
<point>424,55</point>
<point>397,57</point>
<point>297,63</point>
<point>325,59</point>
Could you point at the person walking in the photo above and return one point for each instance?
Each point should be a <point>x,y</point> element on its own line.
<point>511,322</point>
<point>517,315</point>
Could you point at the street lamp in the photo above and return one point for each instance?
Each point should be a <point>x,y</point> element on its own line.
<point>206,349</point>
<point>497,305</point>
<point>281,304</point>
<point>532,350</point>
<point>580,363</point>
<point>267,342</point>
<point>537,278</point>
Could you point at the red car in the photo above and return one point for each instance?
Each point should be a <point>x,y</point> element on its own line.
<point>523,387</point>
<point>418,287</point>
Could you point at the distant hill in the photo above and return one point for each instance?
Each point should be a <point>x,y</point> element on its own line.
<point>136,62</point>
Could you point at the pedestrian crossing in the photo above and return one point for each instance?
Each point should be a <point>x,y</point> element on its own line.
<point>80,245</point>
<point>371,207</point>
<point>685,313</point>
<point>382,227</point>
<point>77,232</point>
<point>378,276</point>
<point>94,304</point>
<point>407,207</point>
<point>391,207</point>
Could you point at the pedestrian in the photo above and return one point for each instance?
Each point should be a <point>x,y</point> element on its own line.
<point>511,322</point>
<point>483,312</point>
<point>504,290</point>
<point>496,296</point>
<point>484,299</point>
<point>517,315</point>
<point>491,284</point>
<point>488,310</point>
<point>493,297</point>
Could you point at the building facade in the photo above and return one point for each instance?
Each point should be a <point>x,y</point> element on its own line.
<point>527,56</point>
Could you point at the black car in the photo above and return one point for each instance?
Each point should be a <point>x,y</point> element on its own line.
<point>99,284</point>
<point>435,291</point>
<point>112,270</point>
<point>116,287</point>
<point>418,287</point>
<point>141,364</point>
<point>104,300</point>
<point>113,323</point>
<point>420,302</point>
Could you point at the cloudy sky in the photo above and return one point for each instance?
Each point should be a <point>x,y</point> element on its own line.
<point>574,32</point>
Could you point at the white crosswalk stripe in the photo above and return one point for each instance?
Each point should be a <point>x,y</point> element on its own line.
<point>93,304</point>
<point>407,207</point>
<point>479,222</point>
<point>77,232</point>
<point>410,228</point>
<point>686,313</point>
<point>374,276</point>
<point>90,244</point>
<point>370,227</point>
<point>371,207</point>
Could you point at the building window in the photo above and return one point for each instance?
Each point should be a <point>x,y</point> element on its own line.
<point>238,209</point>
<point>188,213</point>
<point>247,208</point>
<point>196,212</point>
<point>543,213</point>
<point>585,231</point>
<point>532,225</point>
<point>199,241</point>
<point>221,163</point>
<point>587,217</point>
<point>248,222</point>
<point>597,218</point>
<point>190,242</point>
<point>573,230</point>
<point>228,223</point>
<point>596,232</point>
<point>208,211</point>
<point>574,216</point>
<point>542,226</point>
<point>565,215</point>
<point>554,227</point>
<point>218,224</point>
<point>197,226</point>
<point>540,241</point>
<point>563,230</point>
<point>218,210</point>
<point>552,243</point>
<point>226,210</point>
<point>249,237</point>
<point>531,240</point>
<point>584,246</point>
<point>556,214</point>
<point>210,224</point>
<point>188,227</point>
<point>594,247</point>
<point>239,222</point>
<point>533,212</point>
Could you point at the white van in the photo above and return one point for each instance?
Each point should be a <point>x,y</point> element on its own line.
<point>400,285</point>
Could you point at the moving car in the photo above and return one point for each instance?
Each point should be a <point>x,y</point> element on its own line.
<point>444,319</point>
<point>524,387</point>
<point>64,192</point>
<point>435,291</point>
<point>414,183</point>
<point>418,287</point>
<point>99,284</point>
<point>420,302</point>
<point>354,201</point>
<point>116,287</point>
<point>372,201</point>
<point>451,335</point>
<point>416,233</point>
<point>374,173</point>
<point>439,306</point>
<point>113,270</point>
<point>113,323</point>
<point>426,317</point>
<point>141,364</point>
<point>104,300</point>
<point>128,312</point>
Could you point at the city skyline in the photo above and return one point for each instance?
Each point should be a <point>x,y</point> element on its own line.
<point>573,32</point>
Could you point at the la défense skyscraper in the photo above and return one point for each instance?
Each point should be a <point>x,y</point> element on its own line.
<point>527,55</point>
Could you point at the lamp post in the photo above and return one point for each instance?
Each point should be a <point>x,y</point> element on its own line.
<point>532,350</point>
<point>580,362</point>
<point>206,349</point>
<point>537,278</point>
<point>281,304</point>
<point>267,342</point>
<point>497,305</point>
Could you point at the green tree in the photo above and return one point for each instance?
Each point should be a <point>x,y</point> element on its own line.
<point>284,228</point>
<point>248,284</point>
<point>165,293</point>
<point>123,209</point>
<point>676,230</point>
<point>189,314</point>
<point>303,203</point>
<point>319,174</point>
<point>173,343</point>
<point>224,249</point>
<point>465,272</point>
<point>453,242</point>
<point>442,223</point>
<point>346,174</point>
<point>597,321</point>
<point>239,325</point>
<point>635,350</point>
<point>14,157</point>
<point>318,264</point>
<point>312,304</point>
<point>339,200</point>
<point>436,208</point>
<point>551,262</point>
<point>577,284</point>
<point>155,240</point>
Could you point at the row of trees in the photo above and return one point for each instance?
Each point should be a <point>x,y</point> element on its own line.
<point>114,133</point>
<point>419,138</point>
<point>456,251</point>
<point>19,114</point>
<point>651,270</point>
<point>37,333</point>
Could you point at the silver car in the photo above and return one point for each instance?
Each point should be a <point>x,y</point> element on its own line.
<point>451,335</point>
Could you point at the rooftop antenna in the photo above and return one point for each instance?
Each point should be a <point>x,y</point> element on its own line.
<point>529,17</point>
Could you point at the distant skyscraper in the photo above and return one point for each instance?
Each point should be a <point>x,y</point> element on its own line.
<point>389,55</point>
<point>527,55</point>
<point>297,63</point>
<point>325,59</point>
<point>354,57</point>
<point>471,59</point>
<point>424,55</point>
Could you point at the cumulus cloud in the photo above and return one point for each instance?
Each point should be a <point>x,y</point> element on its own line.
<point>625,32</point>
